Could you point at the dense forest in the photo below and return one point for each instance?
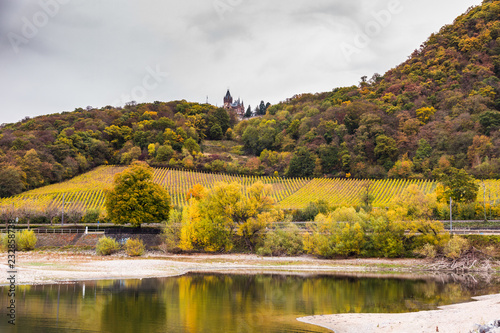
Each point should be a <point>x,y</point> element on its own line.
<point>439,108</point>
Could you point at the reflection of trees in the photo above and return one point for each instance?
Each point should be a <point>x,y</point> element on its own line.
<point>237,303</point>
<point>133,308</point>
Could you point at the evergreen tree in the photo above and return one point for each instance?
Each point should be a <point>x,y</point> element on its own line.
<point>262,108</point>
<point>248,114</point>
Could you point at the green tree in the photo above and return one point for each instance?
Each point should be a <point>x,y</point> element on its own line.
<point>489,120</point>
<point>424,151</point>
<point>386,151</point>
<point>32,166</point>
<point>216,132</point>
<point>302,164</point>
<point>248,113</point>
<point>191,146</point>
<point>118,135</point>
<point>262,108</point>
<point>136,199</point>
<point>164,153</point>
<point>11,182</point>
<point>329,156</point>
<point>456,184</point>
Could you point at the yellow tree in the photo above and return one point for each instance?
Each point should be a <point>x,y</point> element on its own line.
<point>413,204</point>
<point>211,221</point>
<point>136,199</point>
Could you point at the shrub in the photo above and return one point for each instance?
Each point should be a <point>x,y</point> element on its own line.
<point>280,242</point>
<point>172,232</point>
<point>26,240</point>
<point>4,241</point>
<point>91,216</point>
<point>455,247</point>
<point>427,251</point>
<point>311,211</point>
<point>134,247</point>
<point>423,232</point>
<point>106,246</point>
<point>388,237</point>
<point>332,237</point>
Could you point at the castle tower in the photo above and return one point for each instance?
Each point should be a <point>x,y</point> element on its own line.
<point>228,100</point>
<point>236,106</point>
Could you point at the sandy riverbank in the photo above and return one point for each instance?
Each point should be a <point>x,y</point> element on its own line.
<point>457,318</point>
<point>44,267</point>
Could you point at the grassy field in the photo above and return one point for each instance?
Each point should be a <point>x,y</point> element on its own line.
<point>87,191</point>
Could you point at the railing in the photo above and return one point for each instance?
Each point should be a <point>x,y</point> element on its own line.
<point>61,231</point>
<point>457,228</point>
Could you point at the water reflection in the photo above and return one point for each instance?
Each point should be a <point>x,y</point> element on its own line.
<point>224,303</point>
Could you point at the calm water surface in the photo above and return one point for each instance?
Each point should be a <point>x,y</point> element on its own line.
<point>222,303</point>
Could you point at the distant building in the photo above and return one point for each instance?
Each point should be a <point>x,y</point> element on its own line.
<point>236,106</point>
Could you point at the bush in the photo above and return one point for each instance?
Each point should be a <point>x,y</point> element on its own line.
<point>455,247</point>
<point>26,240</point>
<point>106,246</point>
<point>310,212</point>
<point>280,242</point>
<point>91,216</point>
<point>4,242</point>
<point>387,238</point>
<point>427,251</point>
<point>172,232</point>
<point>333,236</point>
<point>134,247</point>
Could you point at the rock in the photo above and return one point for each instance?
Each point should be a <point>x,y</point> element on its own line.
<point>493,327</point>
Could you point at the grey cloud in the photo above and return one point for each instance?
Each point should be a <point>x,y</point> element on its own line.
<point>95,51</point>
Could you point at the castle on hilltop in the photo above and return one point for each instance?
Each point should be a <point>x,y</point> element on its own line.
<point>237,106</point>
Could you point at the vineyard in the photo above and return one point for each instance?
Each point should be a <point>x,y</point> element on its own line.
<point>88,190</point>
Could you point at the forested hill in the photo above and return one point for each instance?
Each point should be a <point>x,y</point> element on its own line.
<point>47,149</point>
<point>439,108</point>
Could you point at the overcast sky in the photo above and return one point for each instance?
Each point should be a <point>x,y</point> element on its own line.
<point>58,55</point>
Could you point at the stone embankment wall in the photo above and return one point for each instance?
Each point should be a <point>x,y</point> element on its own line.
<point>90,239</point>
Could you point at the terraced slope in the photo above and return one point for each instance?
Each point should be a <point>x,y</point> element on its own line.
<point>87,191</point>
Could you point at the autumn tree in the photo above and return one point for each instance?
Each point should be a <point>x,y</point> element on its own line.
<point>136,199</point>
<point>424,114</point>
<point>456,184</point>
<point>213,218</point>
<point>11,181</point>
<point>386,151</point>
<point>191,145</point>
<point>413,204</point>
<point>302,164</point>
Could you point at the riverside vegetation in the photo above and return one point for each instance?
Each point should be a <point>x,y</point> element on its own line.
<point>230,217</point>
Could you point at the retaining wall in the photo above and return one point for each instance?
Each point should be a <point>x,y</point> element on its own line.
<point>60,240</point>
